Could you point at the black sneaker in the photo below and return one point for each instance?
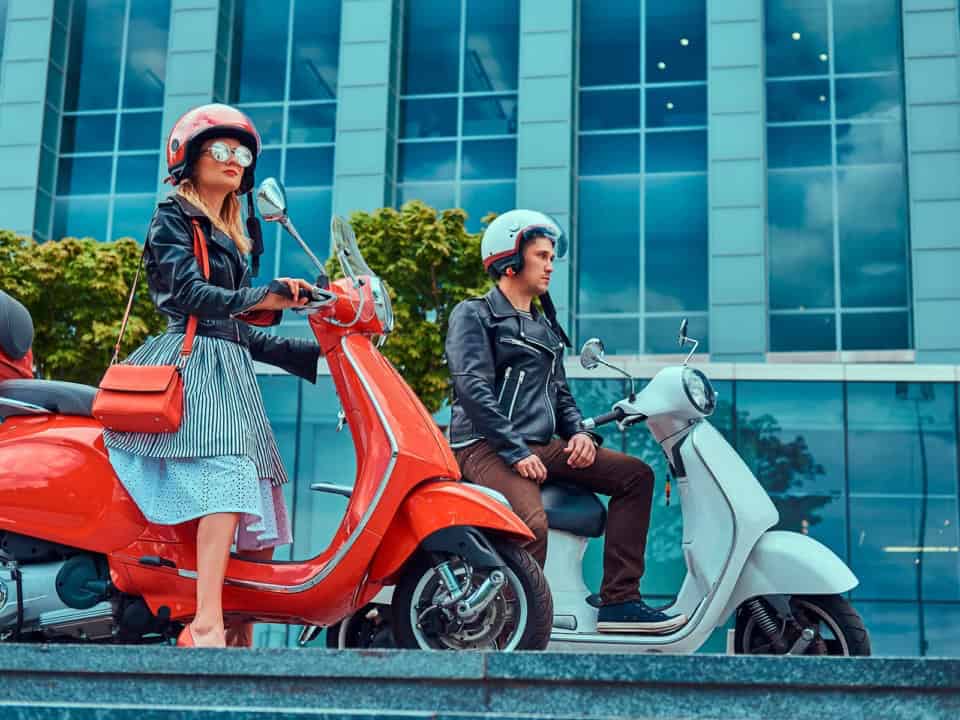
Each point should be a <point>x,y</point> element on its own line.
<point>636,616</point>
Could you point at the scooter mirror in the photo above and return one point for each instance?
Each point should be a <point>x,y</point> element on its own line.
<point>682,337</point>
<point>591,353</point>
<point>272,200</point>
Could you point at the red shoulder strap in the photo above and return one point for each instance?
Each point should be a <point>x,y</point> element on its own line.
<point>200,250</point>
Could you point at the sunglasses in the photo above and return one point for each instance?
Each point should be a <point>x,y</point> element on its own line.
<point>221,152</point>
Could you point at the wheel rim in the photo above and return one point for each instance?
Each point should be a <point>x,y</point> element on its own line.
<point>813,612</point>
<point>511,601</point>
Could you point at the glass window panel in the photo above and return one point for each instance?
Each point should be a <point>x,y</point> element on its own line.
<point>661,335</point>
<point>809,332</point>
<point>80,217</point>
<point>48,168</point>
<point>609,109</point>
<point>146,68</point>
<point>51,128</point>
<point>54,87</point>
<point>598,396</point>
<point>943,630</point>
<point>137,173</point>
<point>886,534</point>
<point>268,165</point>
<point>260,57</point>
<point>94,66</point>
<point>796,37</point>
<point>439,196</point>
<point>269,122</point>
<point>489,159</point>
<point>621,336</point>
<point>722,418</point>
<point>676,151</point>
<point>41,216</point>
<point>800,239</point>
<point>609,42</point>
<point>131,216</point>
<point>866,35</point>
<point>791,435</point>
<point>88,133</point>
<point>316,50</point>
<point>676,41</point>
<point>428,161</point>
<point>496,115</point>
<point>608,246</point>
<point>873,237</point>
<point>893,628</point>
<point>870,98</point>
<point>84,176</point>
<point>492,45</point>
<point>480,199</point>
<point>676,243</point>
<point>804,146</point>
<point>309,167</point>
<point>141,131</point>
<point>433,65</point>
<point>900,432</point>
<point>436,117</point>
<point>58,43</point>
<point>610,154</point>
<point>677,106</point>
<point>867,143</point>
<point>798,100</point>
<point>311,208</point>
<point>875,331</point>
<point>312,123</point>
<point>822,517</point>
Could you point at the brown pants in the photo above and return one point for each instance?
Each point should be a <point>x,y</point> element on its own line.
<point>626,479</point>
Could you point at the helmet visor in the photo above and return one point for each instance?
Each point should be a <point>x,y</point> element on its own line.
<point>551,232</point>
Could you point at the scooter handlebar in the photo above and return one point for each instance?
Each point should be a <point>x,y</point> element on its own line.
<point>314,295</point>
<point>614,415</point>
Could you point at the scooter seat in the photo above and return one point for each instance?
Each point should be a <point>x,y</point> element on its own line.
<point>66,398</point>
<point>573,509</point>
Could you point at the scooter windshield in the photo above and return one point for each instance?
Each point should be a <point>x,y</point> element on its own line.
<point>346,249</point>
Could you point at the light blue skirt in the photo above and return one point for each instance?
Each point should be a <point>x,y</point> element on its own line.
<point>224,457</point>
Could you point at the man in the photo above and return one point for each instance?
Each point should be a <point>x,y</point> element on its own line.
<point>511,399</point>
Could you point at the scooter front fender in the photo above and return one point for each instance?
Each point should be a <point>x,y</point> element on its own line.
<point>434,506</point>
<point>788,563</point>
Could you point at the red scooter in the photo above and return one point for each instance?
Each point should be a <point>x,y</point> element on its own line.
<point>78,561</point>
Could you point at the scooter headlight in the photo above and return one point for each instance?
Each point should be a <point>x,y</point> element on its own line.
<point>699,391</point>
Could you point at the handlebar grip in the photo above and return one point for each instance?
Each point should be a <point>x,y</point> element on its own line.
<point>607,417</point>
<point>281,288</point>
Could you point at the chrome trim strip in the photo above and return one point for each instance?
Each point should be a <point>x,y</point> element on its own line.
<point>27,408</point>
<point>345,548</point>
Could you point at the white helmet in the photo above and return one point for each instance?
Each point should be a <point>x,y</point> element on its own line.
<point>500,247</point>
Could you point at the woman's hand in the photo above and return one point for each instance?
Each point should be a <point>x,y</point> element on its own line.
<point>299,290</point>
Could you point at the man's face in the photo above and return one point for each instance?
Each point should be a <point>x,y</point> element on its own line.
<point>538,259</point>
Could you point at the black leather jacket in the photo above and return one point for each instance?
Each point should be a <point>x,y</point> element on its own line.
<point>178,288</point>
<point>509,384</point>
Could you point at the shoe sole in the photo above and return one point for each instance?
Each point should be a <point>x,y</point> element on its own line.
<point>664,626</point>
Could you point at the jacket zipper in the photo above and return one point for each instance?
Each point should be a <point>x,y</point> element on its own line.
<point>516,392</point>
<point>525,346</point>
<point>503,388</point>
<point>546,387</point>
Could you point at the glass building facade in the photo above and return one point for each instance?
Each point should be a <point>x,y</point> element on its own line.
<point>784,173</point>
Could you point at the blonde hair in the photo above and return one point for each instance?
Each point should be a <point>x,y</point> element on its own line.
<point>229,222</point>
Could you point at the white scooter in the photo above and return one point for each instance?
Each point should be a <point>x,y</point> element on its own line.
<point>785,588</point>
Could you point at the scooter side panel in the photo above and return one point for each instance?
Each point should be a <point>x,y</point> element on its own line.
<point>788,563</point>
<point>434,506</point>
<point>57,484</point>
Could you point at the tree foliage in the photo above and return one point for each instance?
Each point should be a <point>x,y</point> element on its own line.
<point>76,291</point>
<point>430,262</point>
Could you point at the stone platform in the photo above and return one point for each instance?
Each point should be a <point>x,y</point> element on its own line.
<point>67,682</point>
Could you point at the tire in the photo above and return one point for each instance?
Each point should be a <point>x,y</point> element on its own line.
<point>369,627</point>
<point>839,628</point>
<point>527,615</point>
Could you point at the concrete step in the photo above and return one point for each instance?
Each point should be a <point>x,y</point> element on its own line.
<point>142,683</point>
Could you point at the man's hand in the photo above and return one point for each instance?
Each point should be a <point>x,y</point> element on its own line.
<point>582,451</point>
<point>532,468</point>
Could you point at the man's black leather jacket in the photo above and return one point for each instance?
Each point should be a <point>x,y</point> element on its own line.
<point>509,384</point>
<point>178,288</point>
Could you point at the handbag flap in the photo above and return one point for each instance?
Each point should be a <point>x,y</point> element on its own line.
<point>139,378</point>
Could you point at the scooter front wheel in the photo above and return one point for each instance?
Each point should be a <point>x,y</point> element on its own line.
<point>821,625</point>
<point>519,616</point>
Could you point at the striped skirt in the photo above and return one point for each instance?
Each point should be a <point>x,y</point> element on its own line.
<point>224,457</point>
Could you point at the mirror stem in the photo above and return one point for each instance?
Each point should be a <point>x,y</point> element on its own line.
<point>622,372</point>
<point>288,226</point>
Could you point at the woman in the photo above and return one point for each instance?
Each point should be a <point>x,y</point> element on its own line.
<point>222,466</point>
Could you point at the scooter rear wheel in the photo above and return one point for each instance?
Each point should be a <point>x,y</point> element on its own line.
<point>519,617</point>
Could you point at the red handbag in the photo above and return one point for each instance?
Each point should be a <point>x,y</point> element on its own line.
<point>147,398</point>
